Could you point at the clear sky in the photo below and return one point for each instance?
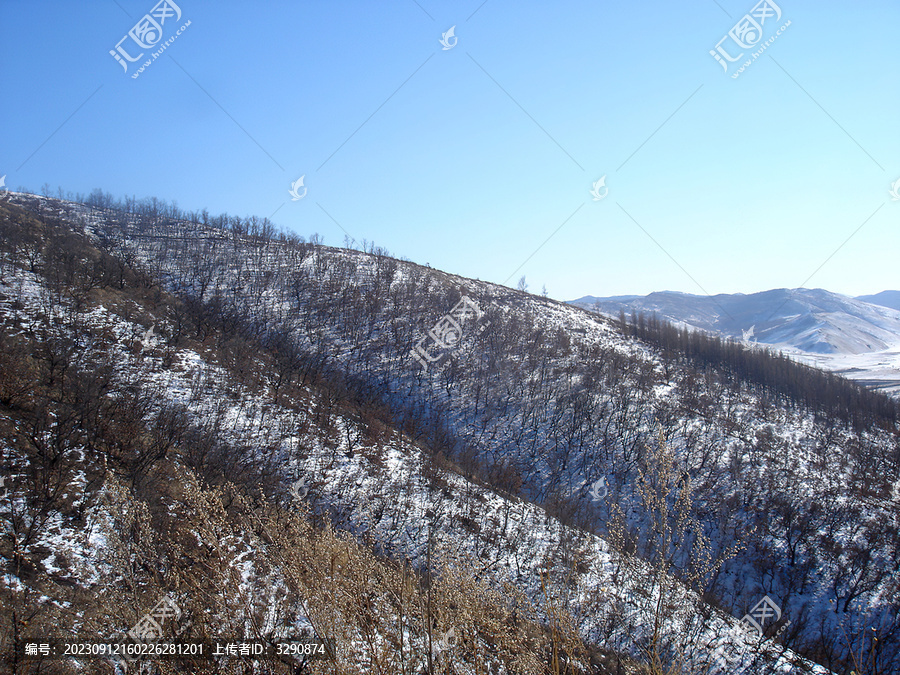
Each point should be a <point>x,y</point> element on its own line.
<point>470,158</point>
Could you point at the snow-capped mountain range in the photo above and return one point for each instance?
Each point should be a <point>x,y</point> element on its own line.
<point>856,337</point>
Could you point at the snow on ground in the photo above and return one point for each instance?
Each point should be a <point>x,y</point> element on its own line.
<point>877,370</point>
<point>389,490</point>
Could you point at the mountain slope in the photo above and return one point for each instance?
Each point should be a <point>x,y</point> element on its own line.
<point>533,414</point>
<point>149,454</point>
<point>813,320</point>
<point>885,299</point>
<point>849,336</point>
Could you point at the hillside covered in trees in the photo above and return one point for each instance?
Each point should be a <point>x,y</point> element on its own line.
<point>785,380</point>
<point>208,408</point>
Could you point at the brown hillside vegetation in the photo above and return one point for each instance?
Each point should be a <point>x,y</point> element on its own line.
<point>174,511</point>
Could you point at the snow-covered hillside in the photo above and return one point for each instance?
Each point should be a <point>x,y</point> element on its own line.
<point>853,337</point>
<point>499,450</point>
<point>885,299</point>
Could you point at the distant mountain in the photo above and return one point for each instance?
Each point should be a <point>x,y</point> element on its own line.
<point>811,320</point>
<point>885,299</point>
<point>857,338</point>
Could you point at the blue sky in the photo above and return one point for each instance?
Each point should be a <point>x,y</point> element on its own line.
<point>479,159</point>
